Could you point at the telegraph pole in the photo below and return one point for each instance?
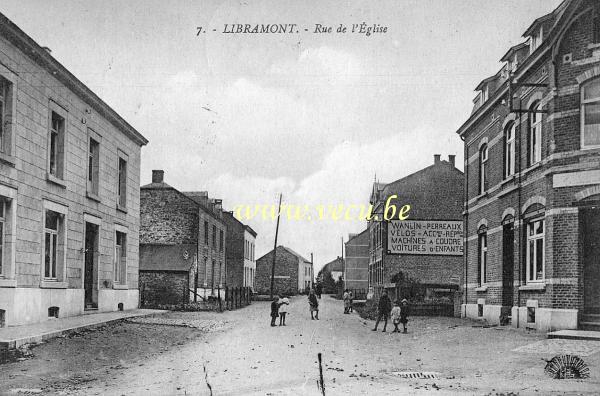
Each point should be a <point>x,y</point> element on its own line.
<point>275,247</point>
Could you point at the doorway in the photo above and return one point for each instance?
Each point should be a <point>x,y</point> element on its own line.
<point>590,235</point>
<point>508,264</point>
<point>90,279</point>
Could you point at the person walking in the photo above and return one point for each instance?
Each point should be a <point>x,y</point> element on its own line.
<point>383,310</point>
<point>346,298</point>
<point>404,311</point>
<point>274,310</point>
<point>283,308</point>
<point>314,305</point>
<point>351,301</point>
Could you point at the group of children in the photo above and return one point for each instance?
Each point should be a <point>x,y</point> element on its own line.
<point>399,313</point>
<point>279,308</point>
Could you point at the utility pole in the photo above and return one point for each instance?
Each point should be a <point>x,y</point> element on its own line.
<point>275,247</point>
<point>312,272</point>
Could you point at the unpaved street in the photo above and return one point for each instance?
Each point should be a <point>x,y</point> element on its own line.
<point>244,355</point>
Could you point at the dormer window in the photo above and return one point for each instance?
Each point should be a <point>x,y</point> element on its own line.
<point>484,94</point>
<point>536,39</point>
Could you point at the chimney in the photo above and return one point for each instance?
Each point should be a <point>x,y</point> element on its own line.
<point>158,176</point>
<point>452,160</point>
<point>218,204</point>
<point>47,49</point>
<point>437,158</point>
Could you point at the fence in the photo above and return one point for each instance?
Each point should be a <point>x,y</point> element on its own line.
<point>163,297</point>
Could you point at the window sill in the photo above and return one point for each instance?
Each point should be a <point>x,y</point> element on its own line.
<point>56,180</point>
<point>533,287</point>
<point>121,208</point>
<point>52,284</point>
<point>118,286</point>
<point>92,196</point>
<point>8,159</point>
<point>508,180</point>
<point>593,45</point>
<point>8,282</point>
<point>481,196</point>
<point>533,167</point>
<point>481,289</point>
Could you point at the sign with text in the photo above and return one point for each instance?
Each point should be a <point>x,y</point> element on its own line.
<point>434,237</point>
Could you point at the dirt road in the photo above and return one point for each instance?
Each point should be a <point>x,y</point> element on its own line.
<point>249,357</point>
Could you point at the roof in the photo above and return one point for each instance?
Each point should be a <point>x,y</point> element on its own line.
<point>334,265</point>
<point>537,22</point>
<point>154,257</point>
<point>515,48</point>
<point>287,249</point>
<point>228,216</point>
<point>357,235</point>
<point>43,58</point>
<point>561,16</point>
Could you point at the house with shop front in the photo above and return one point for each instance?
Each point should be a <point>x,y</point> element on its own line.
<point>293,273</point>
<point>356,262</point>
<point>69,201</point>
<point>532,177</point>
<point>239,255</point>
<point>182,242</point>
<point>426,246</point>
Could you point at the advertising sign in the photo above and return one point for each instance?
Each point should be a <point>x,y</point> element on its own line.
<point>426,237</point>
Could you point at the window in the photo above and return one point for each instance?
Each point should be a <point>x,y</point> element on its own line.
<point>56,144</point>
<point>482,258</point>
<point>122,186</point>
<point>536,39</point>
<point>509,150</point>
<point>596,24</point>
<point>120,267</point>
<point>535,134</point>
<point>214,236</point>
<point>483,169</point>
<point>4,110</point>
<point>2,231</point>
<point>93,166</point>
<point>220,240</point>
<point>590,114</point>
<point>51,229</point>
<point>206,233</point>
<point>535,251</point>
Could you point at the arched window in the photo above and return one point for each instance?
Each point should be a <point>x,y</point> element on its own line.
<point>509,149</point>
<point>590,114</point>
<point>483,168</point>
<point>535,134</point>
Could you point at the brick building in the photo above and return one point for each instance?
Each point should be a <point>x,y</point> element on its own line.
<point>427,246</point>
<point>356,263</point>
<point>69,201</point>
<point>335,267</point>
<point>532,145</point>
<point>180,232</point>
<point>239,255</point>
<point>293,273</point>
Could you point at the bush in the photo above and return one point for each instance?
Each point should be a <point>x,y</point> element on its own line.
<point>368,310</point>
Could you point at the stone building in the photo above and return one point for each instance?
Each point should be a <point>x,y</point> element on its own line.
<point>239,255</point>
<point>335,268</point>
<point>532,174</point>
<point>427,246</point>
<point>356,263</point>
<point>180,232</point>
<point>69,201</point>
<point>293,273</point>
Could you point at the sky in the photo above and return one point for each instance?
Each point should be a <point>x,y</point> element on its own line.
<point>313,116</point>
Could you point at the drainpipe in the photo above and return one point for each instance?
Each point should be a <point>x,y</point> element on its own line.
<point>518,221</point>
<point>465,231</point>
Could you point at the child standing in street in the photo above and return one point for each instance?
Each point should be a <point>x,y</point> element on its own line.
<point>404,311</point>
<point>283,303</point>
<point>396,314</point>
<point>274,310</point>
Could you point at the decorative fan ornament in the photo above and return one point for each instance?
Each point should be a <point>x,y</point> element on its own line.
<point>567,367</point>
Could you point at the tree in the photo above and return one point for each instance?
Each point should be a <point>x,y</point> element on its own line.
<point>327,282</point>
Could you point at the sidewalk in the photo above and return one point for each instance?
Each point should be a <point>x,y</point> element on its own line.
<point>16,336</point>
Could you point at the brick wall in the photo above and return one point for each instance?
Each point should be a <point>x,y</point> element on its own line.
<point>163,288</point>
<point>357,262</point>
<point>167,217</point>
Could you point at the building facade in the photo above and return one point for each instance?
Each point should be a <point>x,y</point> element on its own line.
<point>356,262</point>
<point>532,175</point>
<point>69,202</point>
<point>293,273</point>
<point>241,264</point>
<point>181,232</point>
<point>427,246</point>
